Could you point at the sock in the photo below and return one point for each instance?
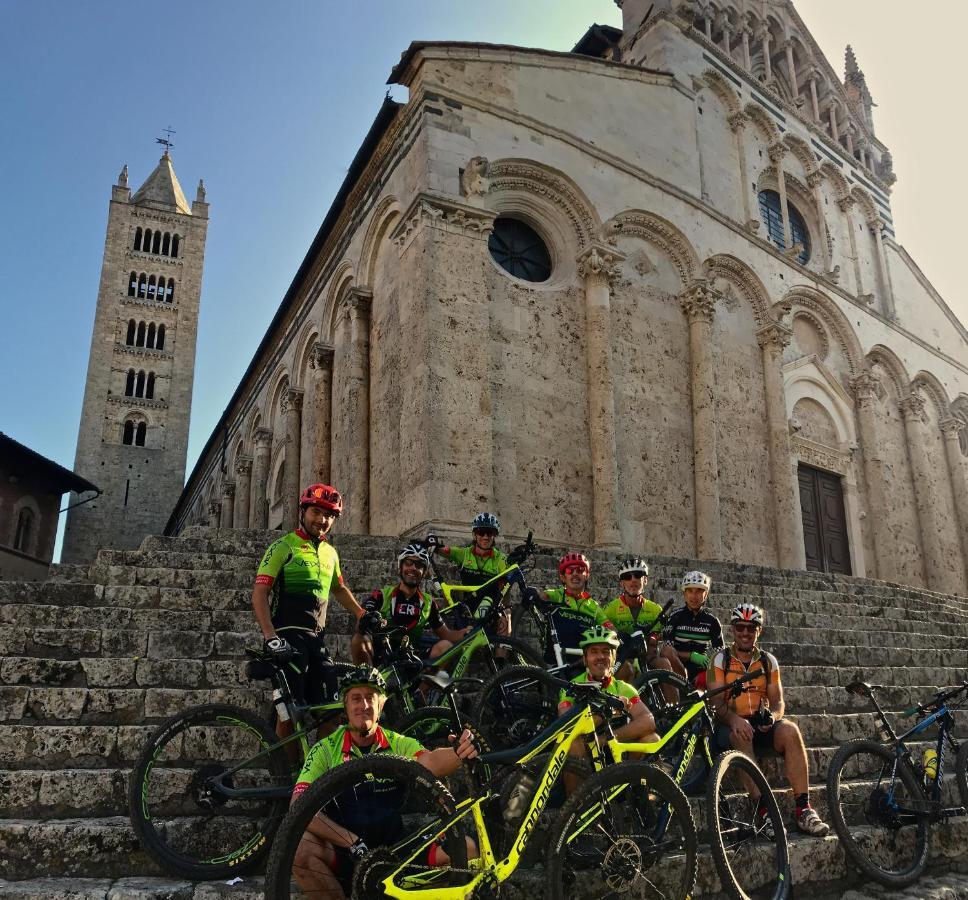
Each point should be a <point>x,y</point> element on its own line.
<point>801,802</point>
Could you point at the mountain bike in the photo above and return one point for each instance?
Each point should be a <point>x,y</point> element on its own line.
<point>627,829</point>
<point>883,802</point>
<point>212,783</point>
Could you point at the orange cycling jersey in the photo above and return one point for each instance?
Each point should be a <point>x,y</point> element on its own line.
<point>748,703</point>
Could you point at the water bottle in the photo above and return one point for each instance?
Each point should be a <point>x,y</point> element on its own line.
<point>930,761</point>
<point>483,609</point>
<point>518,798</point>
<point>281,709</point>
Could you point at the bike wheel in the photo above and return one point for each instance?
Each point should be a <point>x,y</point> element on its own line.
<point>662,692</point>
<point>502,652</point>
<point>961,772</point>
<point>877,808</point>
<point>183,820</point>
<point>627,831</point>
<point>514,706</point>
<point>418,804</point>
<point>751,863</point>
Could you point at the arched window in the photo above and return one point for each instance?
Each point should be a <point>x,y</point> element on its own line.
<point>133,284</point>
<point>25,530</point>
<point>127,434</point>
<point>140,338</point>
<point>166,245</point>
<point>139,385</point>
<point>151,287</point>
<point>129,384</point>
<point>156,242</point>
<point>160,295</point>
<point>772,215</point>
<point>170,291</point>
<point>174,245</point>
<point>150,337</point>
<point>142,285</point>
<point>146,241</point>
<point>150,388</point>
<point>519,250</point>
<point>139,435</point>
<point>137,238</point>
<point>160,339</point>
<point>129,339</point>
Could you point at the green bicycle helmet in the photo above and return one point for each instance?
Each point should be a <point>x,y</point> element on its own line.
<point>599,634</point>
<point>362,676</point>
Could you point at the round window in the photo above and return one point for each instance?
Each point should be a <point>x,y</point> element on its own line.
<point>518,249</point>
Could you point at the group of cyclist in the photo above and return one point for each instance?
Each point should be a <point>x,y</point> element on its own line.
<point>290,598</point>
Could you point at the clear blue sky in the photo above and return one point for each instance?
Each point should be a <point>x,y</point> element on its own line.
<point>270,102</point>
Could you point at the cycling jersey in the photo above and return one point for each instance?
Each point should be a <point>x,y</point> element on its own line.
<point>626,621</point>
<point>572,616</point>
<point>699,633</point>
<point>748,703</point>
<point>372,808</point>
<point>413,614</point>
<point>609,685</point>
<point>300,571</point>
<point>477,568</point>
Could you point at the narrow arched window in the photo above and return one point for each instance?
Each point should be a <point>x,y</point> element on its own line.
<point>771,212</point>
<point>129,339</point>
<point>150,389</point>
<point>142,285</point>
<point>166,245</point>
<point>129,384</point>
<point>151,287</point>
<point>146,241</point>
<point>170,291</point>
<point>156,242</point>
<point>139,385</point>
<point>137,238</point>
<point>127,435</point>
<point>133,284</point>
<point>150,337</point>
<point>161,289</point>
<point>140,432</point>
<point>140,338</point>
<point>25,529</point>
<point>174,245</point>
<point>160,339</point>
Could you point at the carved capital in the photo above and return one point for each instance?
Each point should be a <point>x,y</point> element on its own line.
<point>599,261</point>
<point>845,203</point>
<point>228,489</point>
<point>292,401</point>
<point>815,178</point>
<point>737,120</point>
<point>777,153</point>
<point>698,302</point>
<point>952,428</point>
<point>321,358</point>
<point>214,507</point>
<point>776,335</point>
<point>913,408</point>
<point>357,302</point>
<point>763,34</point>
<point>262,438</point>
<point>866,387</point>
<point>444,214</point>
<point>243,466</point>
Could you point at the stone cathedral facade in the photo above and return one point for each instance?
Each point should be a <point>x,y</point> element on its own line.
<point>643,295</point>
<point>133,437</point>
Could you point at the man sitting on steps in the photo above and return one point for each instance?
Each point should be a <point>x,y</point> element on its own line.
<point>754,720</point>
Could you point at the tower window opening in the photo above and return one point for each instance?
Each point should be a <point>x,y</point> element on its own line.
<point>137,238</point>
<point>140,339</point>
<point>166,245</point>
<point>139,435</point>
<point>129,339</point>
<point>150,337</point>
<point>150,387</point>
<point>127,433</point>
<point>142,285</point>
<point>156,242</point>
<point>160,338</point>
<point>133,284</point>
<point>146,241</point>
<point>129,384</point>
<point>24,532</point>
<point>772,215</point>
<point>170,291</point>
<point>139,384</point>
<point>174,246</point>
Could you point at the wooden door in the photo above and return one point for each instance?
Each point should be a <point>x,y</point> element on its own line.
<point>824,521</point>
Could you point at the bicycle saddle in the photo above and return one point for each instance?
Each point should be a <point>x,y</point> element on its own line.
<point>862,688</point>
<point>440,680</point>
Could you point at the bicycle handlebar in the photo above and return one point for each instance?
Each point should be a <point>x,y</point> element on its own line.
<point>940,699</point>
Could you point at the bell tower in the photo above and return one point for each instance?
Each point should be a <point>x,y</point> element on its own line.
<point>133,436</point>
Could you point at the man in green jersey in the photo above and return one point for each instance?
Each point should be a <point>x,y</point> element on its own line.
<point>598,646</point>
<point>479,562</point>
<point>291,595</point>
<point>351,826</point>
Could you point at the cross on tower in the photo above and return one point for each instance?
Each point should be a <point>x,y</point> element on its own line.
<point>166,142</point>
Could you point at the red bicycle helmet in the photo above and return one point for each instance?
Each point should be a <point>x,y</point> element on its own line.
<point>574,559</point>
<point>322,496</point>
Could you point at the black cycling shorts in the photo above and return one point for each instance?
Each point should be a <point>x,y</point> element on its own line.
<point>762,740</point>
<point>311,674</point>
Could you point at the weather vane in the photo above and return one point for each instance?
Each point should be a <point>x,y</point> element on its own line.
<point>166,141</point>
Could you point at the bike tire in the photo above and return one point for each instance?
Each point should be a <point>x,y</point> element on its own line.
<point>961,772</point>
<point>872,805</point>
<point>423,789</point>
<point>173,841</point>
<point>518,654</point>
<point>514,706</point>
<point>579,853</point>
<point>735,828</point>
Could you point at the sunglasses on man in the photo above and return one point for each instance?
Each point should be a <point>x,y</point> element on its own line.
<point>574,570</point>
<point>628,576</point>
<point>745,626</point>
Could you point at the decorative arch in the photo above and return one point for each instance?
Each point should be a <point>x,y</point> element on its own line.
<point>865,202</point>
<point>801,150</point>
<point>740,275</point>
<point>526,176</point>
<point>343,279</point>
<point>384,217</point>
<point>832,318</point>
<point>928,383</point>
<point>280,385</point>
<point>763,122</point>
<point>889,361</point>
<point>722,89</point>
<point>660,233</point>
<point>817,324</point>
<point>304,347</point>
<point>836,179</point>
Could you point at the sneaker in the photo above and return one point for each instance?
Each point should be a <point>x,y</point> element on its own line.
<point>810,823</point>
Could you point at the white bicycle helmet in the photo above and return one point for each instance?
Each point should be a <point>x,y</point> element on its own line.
<point>633,564</point>
<point>696,579</point>
<point>415,551</point>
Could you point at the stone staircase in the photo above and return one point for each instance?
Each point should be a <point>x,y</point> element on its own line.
<point>91,661</point>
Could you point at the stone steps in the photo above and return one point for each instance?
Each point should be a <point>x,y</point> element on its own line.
<point>138,888</point>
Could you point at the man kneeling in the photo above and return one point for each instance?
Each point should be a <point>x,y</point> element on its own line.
<point>598,646</point>
<point>328,851</point>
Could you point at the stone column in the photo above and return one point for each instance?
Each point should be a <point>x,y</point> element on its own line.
<point>597,266</point>
<point>737,122</point>
<point>243,481</point>
<point>214,513</point>
<point>845,205</point>
<point>834,131</point>
<point>814,100</point>
<point>227,511</point>
<point>699,304</point>
<point>814,180</point>
<point>764,37</point>
<point>880,260</point>
<point>357,382</point>
<point>259,514</point>
<point>958,469</point>
<point>747,59</point>
<point>926,495</point>
<point>292,402</point>
<point>722,23</point>
<point>865,388</point>
<point>321,363</point>
<point>777,152</point>
<point>849,131</point>
<point>786,492</point>
<point>791,67</point>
